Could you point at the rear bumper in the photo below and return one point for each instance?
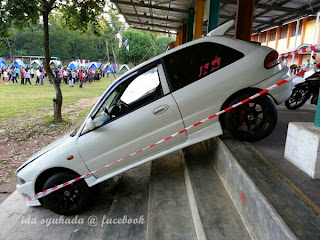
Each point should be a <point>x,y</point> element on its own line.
<point>279,94</point>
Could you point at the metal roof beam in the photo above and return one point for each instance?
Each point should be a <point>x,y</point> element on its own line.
<point>141,4</point>
<point>154,25</point>
<point>150,17</point>
<point>282,9</point>
<point>230,17</point>
<point>151,30</point>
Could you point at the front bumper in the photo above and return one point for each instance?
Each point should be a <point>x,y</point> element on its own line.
<point>27,189</point>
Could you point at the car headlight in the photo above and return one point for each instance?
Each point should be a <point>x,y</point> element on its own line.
<point>21,181</point>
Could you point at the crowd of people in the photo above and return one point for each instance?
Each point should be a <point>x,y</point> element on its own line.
<point>20,75</point>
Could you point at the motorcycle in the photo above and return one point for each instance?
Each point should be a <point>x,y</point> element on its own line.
<point>303,91</point>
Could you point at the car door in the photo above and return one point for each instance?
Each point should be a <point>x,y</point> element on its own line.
<point>152,116</point>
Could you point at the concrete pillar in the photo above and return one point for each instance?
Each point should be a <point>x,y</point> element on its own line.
<point>268,38</point>
<point>296,38</point>
<point>199,19</point>
<point>289,34</point>
<point>184,32</point>
<point>277,37</point>
<point>214,14</point>
<point>244,19</point>
<point>178,39</point>
<point>190,25</point>
<point>259,37</point>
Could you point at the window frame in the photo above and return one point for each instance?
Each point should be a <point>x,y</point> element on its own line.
<point>169,81</point>
<point>129,78</point>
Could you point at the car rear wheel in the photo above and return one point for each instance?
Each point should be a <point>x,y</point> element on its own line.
<point>297,98</point>
<point>252,121</point>
<point>69,200</point>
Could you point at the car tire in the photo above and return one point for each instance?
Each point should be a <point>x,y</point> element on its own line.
<point>252,121</point>
<point>69,200</point>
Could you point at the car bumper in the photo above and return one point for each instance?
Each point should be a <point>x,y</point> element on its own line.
<point>27,189</point>
<point>279,94</point>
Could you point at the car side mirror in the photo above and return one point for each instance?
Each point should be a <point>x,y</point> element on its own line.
<point>90,125</point>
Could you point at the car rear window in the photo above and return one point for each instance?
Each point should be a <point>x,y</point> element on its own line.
<point>195,62</point>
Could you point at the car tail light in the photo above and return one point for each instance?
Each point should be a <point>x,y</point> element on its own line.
<point>271,60</point>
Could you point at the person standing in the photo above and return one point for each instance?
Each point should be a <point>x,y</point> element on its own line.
<point>38,76</point>
<point>28,75</point>
<point>308,64</point>
<point>14,76</point>
<point>17,73</point>
<point>9,73</point>
<point>32,73</point>
<point>23,75</point>
<point>5,76</point>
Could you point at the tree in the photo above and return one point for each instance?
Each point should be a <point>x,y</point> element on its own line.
<point>162,43</point>
<point>78,14</point>
<point>140,44</point>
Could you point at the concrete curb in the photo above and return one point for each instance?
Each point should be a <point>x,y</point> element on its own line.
<point>258,215</point>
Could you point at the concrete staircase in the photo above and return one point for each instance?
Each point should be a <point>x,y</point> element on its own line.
<point>217,189</point>
<point>187,200</point>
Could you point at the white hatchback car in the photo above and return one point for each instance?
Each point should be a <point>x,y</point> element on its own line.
<point>151,102</point>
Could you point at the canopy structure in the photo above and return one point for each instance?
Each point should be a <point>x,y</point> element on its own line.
<point>170,16</point>
<point>93,65</point>
<point>18,63</point>
<point>73,65</point>
<point>109,68</point>
<point>124,68</point>
<point>36,63</point>
<point>2,63</point>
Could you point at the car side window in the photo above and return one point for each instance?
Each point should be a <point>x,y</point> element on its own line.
<point>195,62</point>
<point>129,96</point>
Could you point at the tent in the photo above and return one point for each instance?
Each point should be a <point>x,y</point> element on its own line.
<point>109,67</point>
<point>124,68</point>
<point>18,63</point>
<point>35,63</point>
<point>73,65</point>
<point>93,65</point>
<point>55,62</point>
<point>2,63</point>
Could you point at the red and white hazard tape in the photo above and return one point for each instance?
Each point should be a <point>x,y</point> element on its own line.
<point>301,51</point>
<point>50,190</point>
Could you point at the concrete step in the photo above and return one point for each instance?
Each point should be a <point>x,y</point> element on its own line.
<point>218,215</point>
<point>269,208</point>
<point>130,204</point>
<point>169,210</point>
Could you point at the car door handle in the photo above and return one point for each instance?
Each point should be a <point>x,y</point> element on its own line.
<point>160,110</point>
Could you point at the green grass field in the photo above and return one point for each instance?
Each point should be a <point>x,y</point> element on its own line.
<point>16,98</point>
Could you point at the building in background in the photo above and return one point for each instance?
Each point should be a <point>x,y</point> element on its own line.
<point>283,38</point>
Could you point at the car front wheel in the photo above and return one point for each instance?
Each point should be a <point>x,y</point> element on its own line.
<point>69,200</point>
<point>252,121</point>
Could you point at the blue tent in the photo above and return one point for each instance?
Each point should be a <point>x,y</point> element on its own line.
<point>73,65</point>
<point>93,65</point>
<point>18,63</point>
<point>109,67</point>
<point>2,63</point>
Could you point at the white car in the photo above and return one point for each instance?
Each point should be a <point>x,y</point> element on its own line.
<point>153,101</point>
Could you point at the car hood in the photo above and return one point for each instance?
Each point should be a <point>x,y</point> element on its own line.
<point>46,149</point>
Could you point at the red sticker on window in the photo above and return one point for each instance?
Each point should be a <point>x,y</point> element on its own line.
<point>209,67</point>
